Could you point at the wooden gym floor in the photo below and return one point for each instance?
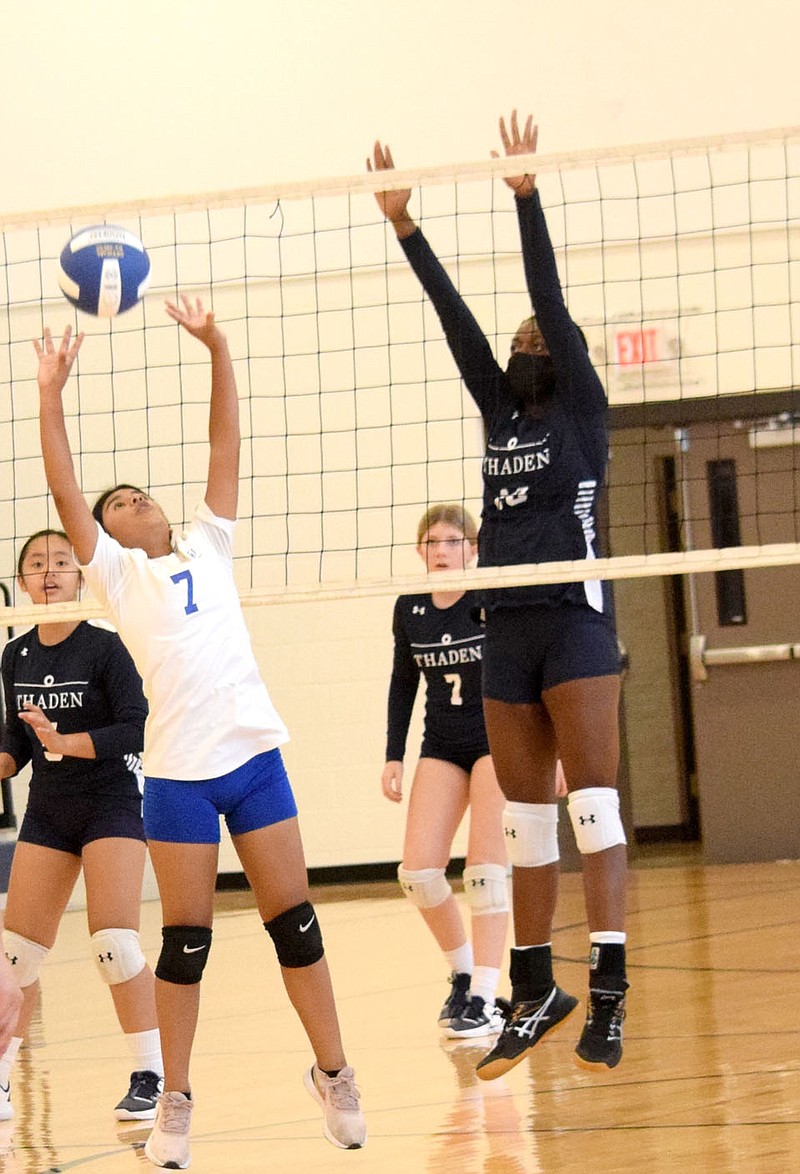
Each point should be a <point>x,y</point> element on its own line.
<point>710,1077</point>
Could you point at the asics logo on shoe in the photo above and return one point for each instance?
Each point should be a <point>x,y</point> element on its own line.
<point>527,1025</point>
<point>308,924</point>
<point>193,949</point>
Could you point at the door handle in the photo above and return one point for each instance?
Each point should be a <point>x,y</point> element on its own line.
<point>701,657</point>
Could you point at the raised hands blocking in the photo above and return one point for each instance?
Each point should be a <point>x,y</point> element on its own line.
<point>516,143</point>
<point>394,205</point>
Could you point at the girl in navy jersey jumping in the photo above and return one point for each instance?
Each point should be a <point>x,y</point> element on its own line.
<point>211,743</point>
<point>438,636</point>
<point>74,709</point>
<point>550,662</point>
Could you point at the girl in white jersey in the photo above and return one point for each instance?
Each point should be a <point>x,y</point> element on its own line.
<point>211,740</point>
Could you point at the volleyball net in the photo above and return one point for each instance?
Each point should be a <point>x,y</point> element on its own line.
<point>680,261</point>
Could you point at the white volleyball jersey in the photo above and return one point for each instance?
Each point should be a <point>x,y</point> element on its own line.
<point>181,620</point>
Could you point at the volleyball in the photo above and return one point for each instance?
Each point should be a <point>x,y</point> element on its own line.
<point>104,270</point>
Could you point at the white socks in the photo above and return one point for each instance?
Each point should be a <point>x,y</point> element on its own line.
<point>145,1048</point>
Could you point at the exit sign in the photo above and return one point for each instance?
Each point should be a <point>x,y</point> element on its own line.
<point>634,347</point>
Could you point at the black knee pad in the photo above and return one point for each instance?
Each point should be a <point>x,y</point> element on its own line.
<point>297,936</point>
<point>184,953</point>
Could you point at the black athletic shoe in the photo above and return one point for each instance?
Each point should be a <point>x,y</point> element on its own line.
<point>600,1045</point>
<point>478,1018</point>
<point>139,1103</point>
<point>523,1030</point>
<point>456,1002</point>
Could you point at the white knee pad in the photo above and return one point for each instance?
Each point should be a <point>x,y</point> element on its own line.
<point>25,956</point>
<point>531,831</point>
<point>425,888</point>
<point>594,812</point>
<point>117,954</point>
<point>486,888</point>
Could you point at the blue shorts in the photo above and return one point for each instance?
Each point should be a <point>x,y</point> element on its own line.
<point>253,796</point>
<point>464,757</point>
<point>528,650</point>
<point>68,822</point>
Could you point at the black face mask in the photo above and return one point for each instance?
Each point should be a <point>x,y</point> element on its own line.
<point>532,377</point>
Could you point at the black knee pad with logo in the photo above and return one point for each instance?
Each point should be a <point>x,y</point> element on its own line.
<point>297,936</point>
<point>184,953</point>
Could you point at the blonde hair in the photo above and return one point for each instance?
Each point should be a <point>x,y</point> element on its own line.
<point>451,514</point>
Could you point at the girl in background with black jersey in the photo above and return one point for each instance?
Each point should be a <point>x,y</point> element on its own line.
<point>439,636</point>
<point>550,662</point>
<point>74,709</point>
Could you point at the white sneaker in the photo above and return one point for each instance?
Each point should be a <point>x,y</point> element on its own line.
<point>6,1108</point>
<point>168,1143</point>
<point>343,1121</point>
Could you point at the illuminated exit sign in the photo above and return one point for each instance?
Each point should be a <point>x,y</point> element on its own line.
<point>634,347</point>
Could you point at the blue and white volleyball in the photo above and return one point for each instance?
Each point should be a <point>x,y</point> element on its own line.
<point>104,270</point>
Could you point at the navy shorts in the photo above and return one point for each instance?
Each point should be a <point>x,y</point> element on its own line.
<point>253,796</point>
<point>68,822</point>
<point>464,757</point>
<point>528,650</point>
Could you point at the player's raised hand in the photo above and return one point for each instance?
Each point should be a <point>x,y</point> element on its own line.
<point>55,362</point>
<point>519,143</point>
<point>394,205</point>
<point>195,319</point>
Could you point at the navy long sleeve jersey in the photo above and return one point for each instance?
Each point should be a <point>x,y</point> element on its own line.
<point>87,683</point>
<point>445,646</point>
<point>541,475</point>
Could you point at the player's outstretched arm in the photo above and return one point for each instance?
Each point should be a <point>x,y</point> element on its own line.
<point>516,142</point>
<point>394,205</point>
<point>222,487</point>
<point>55,364</point>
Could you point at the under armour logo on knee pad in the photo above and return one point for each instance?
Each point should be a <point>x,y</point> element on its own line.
<point>586,819</point>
